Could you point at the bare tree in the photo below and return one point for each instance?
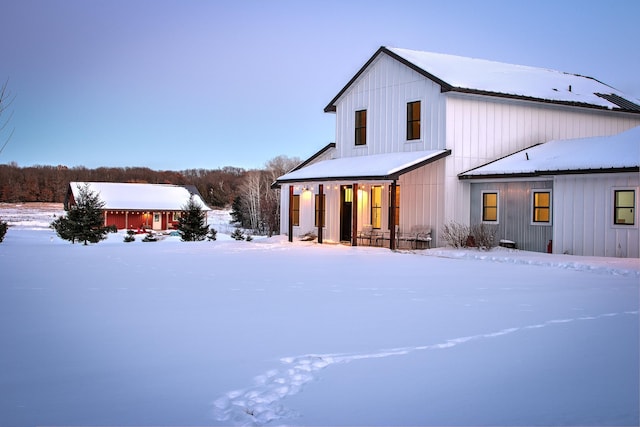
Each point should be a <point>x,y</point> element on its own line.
<point>258,200</point>
<point>6,99</point>
<point>275,168</point>
<point>251,191</point>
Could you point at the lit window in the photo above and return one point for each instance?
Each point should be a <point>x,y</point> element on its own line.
<point>413,120</point>
<point>361,127</point>
<point>320,210</point>
<point>295,210</point>
<point>624,207</point>
<point>542,206</point>
<point>397,221</point>
<point>376,206</point>
<point>490,206</point>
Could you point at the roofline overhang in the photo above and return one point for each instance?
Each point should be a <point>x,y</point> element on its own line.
<point>446,87</point>
<point>539,173</point>
<point>331,107</point>
<point>314,156</point>
<point>541,100</point>
<point>388,177</point>
<point>275,185</point>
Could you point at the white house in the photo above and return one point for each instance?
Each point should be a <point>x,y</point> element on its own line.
<point>576,196</point>
<point>409,123</point>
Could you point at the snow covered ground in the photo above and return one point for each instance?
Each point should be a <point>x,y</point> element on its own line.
<point>270,333</point>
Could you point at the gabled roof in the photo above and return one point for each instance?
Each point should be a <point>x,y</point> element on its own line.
<point>601,154</point>
<point>483,77</point>
<point>135,196</point>
<point>323,150</point>
<point>380,167</point>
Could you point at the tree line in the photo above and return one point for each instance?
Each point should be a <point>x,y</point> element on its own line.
<point>49,183</point>
<point>255,205</point>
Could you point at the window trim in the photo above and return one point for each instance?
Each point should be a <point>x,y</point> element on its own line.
<point>410,121</point>
<point>377,208</point>
<point>398,195</point>
<point>533,206</point>
<point>360,135</point>
<point>497,206</point>
<point>614,191</point>
<point>322,209</point>
<point>295,213</point>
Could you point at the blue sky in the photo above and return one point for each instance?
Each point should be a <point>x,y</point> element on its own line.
<point>174,85</point>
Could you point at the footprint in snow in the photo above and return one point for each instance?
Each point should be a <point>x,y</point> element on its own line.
<point>261,403</point>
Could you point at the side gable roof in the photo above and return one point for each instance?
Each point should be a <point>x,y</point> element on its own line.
<point>130,196</point>
<point>600,154</point>
<point>483,77</point>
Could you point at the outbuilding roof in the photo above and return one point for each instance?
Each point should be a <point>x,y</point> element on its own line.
<point>600,154</point>
<point>480,76</point>
<point>374,167</point>
<point>149,197</point>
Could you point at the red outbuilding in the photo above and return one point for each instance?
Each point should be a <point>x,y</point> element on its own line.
<point>139,206</point>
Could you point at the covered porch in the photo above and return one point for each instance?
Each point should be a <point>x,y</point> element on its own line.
<point>365,205</point>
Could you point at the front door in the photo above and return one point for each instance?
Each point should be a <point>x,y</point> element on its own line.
<point>157,221</point>
<point>346,201</point>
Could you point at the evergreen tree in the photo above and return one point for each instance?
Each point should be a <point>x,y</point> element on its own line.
<point>84,221</point>
<point>192,222</point>
<point>3,229</point>
<point>239,213</point>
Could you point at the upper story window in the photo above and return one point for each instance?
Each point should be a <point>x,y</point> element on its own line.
<point>624,207</point>
<point>361,127</point>
<point>413,120</point>
<point>542,207</point>
<point>490,206</point>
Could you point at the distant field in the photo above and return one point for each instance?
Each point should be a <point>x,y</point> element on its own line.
<point>31,214</point>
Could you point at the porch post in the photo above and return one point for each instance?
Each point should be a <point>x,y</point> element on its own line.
<point>392,217</point>
<point>320,210</point>
<point>290,213</point>
<point>354,216</point>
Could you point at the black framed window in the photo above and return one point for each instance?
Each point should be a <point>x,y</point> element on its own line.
<point>413,120</point>
<point>376,206</point>
<point>295,210</point>
<point>624,207</point>
<point>361,127</point>
<point>541,206</point>
<point>490,206</point>
<point>320,210</point>
<point>397,219</point>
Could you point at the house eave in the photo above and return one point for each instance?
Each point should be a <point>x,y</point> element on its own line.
<point>536,99</point>
<point>383,177</point>
<point>446,87</point>
<point>541,173</point>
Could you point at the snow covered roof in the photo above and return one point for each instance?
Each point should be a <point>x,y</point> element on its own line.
<point>117,195</point>
<point>617,153</point>
<point>471,75</point>
<point>374,167</point>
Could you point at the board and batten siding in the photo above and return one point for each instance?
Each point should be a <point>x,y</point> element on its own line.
<point>421,195</point>
<point>384,91</point>
<point>583,217</point>
<point>515,212</point>
<point>481,129</point>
